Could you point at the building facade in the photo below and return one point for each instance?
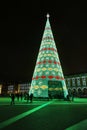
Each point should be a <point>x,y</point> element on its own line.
<point>6,89</point>
<point>78,84</point>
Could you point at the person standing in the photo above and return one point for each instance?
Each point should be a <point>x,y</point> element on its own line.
<point>31,97</point>
<point>21,96</point>
<point>27,97</point>
<point>17,95</point>
<point>73,95</point>
<point>12,98</point>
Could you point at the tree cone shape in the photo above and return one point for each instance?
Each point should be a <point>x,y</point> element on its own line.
<point>48,78</point>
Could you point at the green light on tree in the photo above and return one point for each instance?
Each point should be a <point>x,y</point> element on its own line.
<point>48,65</point>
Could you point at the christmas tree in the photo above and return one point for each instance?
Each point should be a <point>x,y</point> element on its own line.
<point>48,75</point>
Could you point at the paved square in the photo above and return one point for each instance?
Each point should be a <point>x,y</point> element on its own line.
<point>43,115</point>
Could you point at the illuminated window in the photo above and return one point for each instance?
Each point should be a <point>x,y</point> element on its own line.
<point>73,81</point>
<point>78,81</point>
<point>68,82</point>
<point>84,81</point>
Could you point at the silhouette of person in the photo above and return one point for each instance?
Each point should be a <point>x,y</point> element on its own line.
<point>17,95</point>
<point>68,97</point>
<point>31,97</point>
<point>27,97</point>
<point>12,98</point>
<point>73,95</point>
<point>21,96</point>
<point>49,96</point>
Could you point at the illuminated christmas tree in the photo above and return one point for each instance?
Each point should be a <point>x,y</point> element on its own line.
<point>48,76</point>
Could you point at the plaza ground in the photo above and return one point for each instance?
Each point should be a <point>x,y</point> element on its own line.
<point>43,114</point>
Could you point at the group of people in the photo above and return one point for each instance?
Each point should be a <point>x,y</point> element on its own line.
<point>19,96</point>
<point>29,98</point>
<point>70,96</point>
<point>26,96</point>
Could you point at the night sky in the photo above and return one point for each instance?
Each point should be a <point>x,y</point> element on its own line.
<point>21,28</point>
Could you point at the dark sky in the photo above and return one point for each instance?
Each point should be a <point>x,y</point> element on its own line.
<point>21,29</point>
